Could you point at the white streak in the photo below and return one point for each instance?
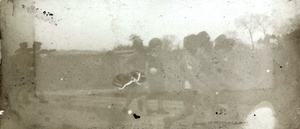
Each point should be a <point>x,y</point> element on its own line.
<point>126,85</point>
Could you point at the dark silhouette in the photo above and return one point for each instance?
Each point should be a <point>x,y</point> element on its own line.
<point>25,73</point>
<point>26,65</point>
<point>156,72</point>
<point>204,41</point>
<point>224,44</point>
<point>139,57</point>
<point>187,94</point>
<point>188,99</point>
<point>222,59</point>
<point>137,42</point>
<point>204,54</point>
<point>193,73</point>
<point>37,52</point>
<point>137,61</point>
<point>191,43</point>
<point>268,41</point>
<point>130,84</point>
<point>122,47</point>
<point>37,49</point>
<point>23,56</point>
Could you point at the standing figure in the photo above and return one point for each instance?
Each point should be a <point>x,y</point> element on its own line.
<point>137,62</point>
<point>24,72</point>
<point>223,56</point>
<point>156,73</point>
<point>130,84</point>
<point>37,53</point>
<point>187,67</point>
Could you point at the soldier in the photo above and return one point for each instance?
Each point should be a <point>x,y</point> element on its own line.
<point>156,73</point>
<point>194,91</point>
<point>223,57</point>
<point>138,63</point>
<point>139,57</point>
<point>23,49</point>
<point>188,94</point>
<point>23,57</point>
<point>37,54</point>
<point>24,73</point>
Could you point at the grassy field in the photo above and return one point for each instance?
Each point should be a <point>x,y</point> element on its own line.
<point>99,112</point>
<point>80,96</point>
<point>101,109</point>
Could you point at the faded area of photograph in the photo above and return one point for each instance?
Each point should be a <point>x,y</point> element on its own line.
<point>208,64</point>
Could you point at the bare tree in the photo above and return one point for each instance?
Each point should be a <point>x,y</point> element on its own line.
<point>249,22</point>
<point>263,22</point>
<point>168,42</point>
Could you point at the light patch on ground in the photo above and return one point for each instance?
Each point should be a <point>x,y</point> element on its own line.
<point>1,112</point>
<point>129,112</point>
<point>262,117</point>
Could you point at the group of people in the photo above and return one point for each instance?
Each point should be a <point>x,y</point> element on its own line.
<point>25,63</point>
<point>150,65</point>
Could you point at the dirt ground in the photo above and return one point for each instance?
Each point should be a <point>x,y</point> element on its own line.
<point>79,95</point>
<point>104,111</point>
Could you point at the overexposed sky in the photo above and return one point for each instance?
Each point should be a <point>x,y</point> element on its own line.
<point>97,24</point>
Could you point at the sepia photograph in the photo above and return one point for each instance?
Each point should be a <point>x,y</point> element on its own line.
<point>151,64</point>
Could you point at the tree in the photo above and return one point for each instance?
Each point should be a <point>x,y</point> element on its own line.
<point>219,42</point>
<point>224,43</point>
<point>250,24</point>
<point>204,41</point>
<point>122,47</point>
<point>137,42</point>
<point>191,43</point>
<point>263,22</point>
<point>154,43</point>
<point>168,42</point>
